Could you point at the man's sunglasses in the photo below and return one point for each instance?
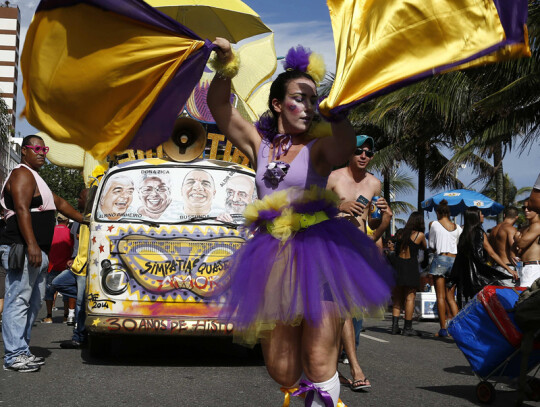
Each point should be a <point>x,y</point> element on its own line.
<point>369,153</point>
<point>38,149</point>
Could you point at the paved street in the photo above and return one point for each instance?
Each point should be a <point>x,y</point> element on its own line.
<point>404,371</point>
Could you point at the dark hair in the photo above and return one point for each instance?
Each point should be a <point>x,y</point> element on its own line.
<point>415,223</point>
<point>267,124</point>
<point>471,221</point>
<point>442,209</point>
<point>511,212</point>
<point>27,139</point>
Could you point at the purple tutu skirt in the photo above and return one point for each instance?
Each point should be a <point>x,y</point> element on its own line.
<point>274,281</point>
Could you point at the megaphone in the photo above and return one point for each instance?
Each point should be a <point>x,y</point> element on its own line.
<point>187,141</point>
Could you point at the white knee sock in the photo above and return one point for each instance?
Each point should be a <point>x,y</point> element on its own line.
<point>330,386</point>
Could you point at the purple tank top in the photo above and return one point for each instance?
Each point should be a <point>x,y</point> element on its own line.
<point>300,174</point>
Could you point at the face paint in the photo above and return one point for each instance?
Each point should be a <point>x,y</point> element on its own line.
<point>298,107</point>
<point>292,108</point>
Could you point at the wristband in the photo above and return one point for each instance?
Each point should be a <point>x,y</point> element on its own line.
<point>226,69</point>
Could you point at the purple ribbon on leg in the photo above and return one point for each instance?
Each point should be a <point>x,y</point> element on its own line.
<point>311,389</point>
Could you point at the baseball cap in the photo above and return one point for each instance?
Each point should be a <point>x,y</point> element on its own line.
<point>59,216</point>
<point>361,139</point>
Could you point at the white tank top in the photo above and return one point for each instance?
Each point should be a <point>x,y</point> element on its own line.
<point>442,240</point>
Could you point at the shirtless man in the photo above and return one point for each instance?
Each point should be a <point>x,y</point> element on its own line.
<point>353,180</point>
<point>527,244</point>
<point>502,239</point>
<point>349,183</point>
<point>534,199</point>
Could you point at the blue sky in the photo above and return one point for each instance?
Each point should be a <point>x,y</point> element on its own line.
<point>307,22</point>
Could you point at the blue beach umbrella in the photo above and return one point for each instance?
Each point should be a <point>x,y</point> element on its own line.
<point>460,199</point>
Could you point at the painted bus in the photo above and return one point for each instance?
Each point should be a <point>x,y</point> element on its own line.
<point>162,227</point>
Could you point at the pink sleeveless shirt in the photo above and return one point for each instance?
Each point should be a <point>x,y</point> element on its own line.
<point>44,190</point>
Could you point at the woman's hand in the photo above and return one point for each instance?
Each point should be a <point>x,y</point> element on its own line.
<point>223,50</point>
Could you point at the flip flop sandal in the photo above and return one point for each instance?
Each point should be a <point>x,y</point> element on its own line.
<point>344,381</point>
<point>361,384</point>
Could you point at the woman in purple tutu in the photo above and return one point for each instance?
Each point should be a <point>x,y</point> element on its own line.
<point>305,270</point>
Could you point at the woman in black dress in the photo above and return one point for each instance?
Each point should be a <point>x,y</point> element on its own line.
<point>470,272</point>
<point>405,262</point>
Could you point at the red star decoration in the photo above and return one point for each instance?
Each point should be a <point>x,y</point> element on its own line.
<point>94,239</point>
<point>110,228</point>
<point>101,248</point>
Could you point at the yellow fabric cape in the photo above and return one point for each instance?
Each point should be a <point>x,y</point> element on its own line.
<point>383,45</point>
<point>92,76</point>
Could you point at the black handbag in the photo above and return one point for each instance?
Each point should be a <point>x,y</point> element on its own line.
<point>17,253</point>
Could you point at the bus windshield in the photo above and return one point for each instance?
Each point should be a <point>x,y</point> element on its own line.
<point>172,194</point>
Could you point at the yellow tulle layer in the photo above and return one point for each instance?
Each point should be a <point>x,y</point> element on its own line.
<point>289,221</point>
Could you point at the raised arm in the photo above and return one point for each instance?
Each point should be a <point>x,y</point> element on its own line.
<point>337,149</point>
<point>242,134</point>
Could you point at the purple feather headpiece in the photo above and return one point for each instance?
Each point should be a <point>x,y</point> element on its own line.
<point>297,59</point>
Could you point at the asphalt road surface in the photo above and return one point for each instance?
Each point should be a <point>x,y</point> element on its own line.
<point>404,371</point>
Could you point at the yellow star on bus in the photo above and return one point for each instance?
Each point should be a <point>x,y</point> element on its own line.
<point>96,322</point>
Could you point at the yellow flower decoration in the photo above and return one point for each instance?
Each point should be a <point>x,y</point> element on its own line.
<point>283,226</point>
<point>276,201</point>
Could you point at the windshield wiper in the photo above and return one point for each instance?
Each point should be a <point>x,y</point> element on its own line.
<point>197,218</point>
<point>146,222</point>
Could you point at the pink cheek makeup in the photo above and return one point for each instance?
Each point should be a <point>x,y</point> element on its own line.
<point>292,108</point>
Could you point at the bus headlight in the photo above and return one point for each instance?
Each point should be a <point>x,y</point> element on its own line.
<point>114,279</point>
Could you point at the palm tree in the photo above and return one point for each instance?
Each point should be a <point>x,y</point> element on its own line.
<point>415,122</point>
<point>511,192</point>
<point>477,113</point>
<point>506,110</point>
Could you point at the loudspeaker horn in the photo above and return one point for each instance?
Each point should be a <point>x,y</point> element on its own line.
<point>187,141</point>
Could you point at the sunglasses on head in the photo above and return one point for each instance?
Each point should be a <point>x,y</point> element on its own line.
<point>38,149</point>
<point>525,208</point>
<point>369,153</point>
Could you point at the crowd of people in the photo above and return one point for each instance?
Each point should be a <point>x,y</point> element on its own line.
<point>305,305</point>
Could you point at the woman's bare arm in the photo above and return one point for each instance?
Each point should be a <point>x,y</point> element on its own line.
<point>338,148</point>
<point>238,130</point>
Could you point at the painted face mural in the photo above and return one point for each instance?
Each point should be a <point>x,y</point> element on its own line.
<point>117,197</point>
<point>239,193</point>
<point>155,195</point>
<point>198,191</point>
<point>169,194</point>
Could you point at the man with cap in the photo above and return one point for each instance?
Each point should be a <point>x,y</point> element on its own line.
<point>354,184</point>
<point>353,181</point>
